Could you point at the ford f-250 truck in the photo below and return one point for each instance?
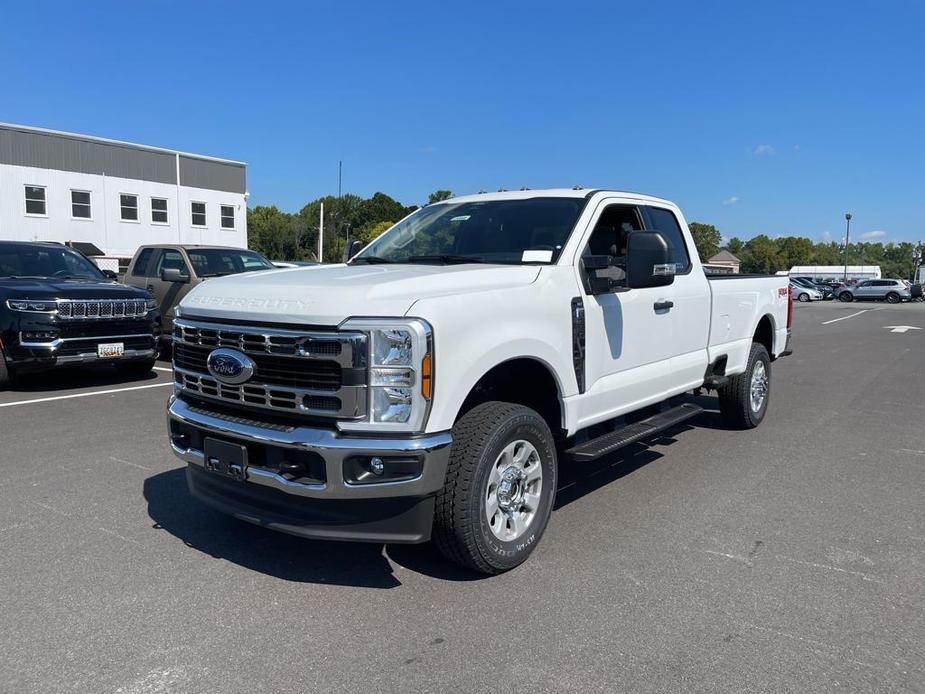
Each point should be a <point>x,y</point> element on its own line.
<point>431,386</point>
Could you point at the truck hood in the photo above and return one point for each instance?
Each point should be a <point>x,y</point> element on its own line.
<point>326,295</point>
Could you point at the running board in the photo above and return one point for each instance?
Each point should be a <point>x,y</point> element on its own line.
<point>602,445</point>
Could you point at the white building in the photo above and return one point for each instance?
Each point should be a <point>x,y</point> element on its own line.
<point>57,186</point>
<point>836,272</point>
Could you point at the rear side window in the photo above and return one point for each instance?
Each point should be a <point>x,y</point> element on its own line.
<point>664,221</point>
<point>141,265</point>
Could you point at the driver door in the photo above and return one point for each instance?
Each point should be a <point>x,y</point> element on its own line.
<point>168,294</point>
<point>628,343</point>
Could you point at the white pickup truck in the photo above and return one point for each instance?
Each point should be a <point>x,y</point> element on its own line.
<point>431,386</point>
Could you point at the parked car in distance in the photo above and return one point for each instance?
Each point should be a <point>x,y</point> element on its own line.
<point>893,291</point>
<point>821,287</point>
<point>804,293</point>
<point>293,263</point>
<point>169,272</point>
<point>58,309</point>
<point>433,385</point>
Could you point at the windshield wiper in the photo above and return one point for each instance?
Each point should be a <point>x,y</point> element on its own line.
<point>370,260</point>
<point>445,259</point>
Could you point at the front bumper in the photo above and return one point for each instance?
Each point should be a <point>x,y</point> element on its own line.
<point>66,343</point>
<point>327,507</point>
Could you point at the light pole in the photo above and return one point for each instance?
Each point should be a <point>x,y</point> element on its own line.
<point>847,240</point>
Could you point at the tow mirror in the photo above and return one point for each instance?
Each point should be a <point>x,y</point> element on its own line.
<point>172,274</point>
<point>355,247</point>
<point>648,262</point>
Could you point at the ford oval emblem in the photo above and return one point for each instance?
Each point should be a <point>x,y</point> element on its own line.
<point>230,366</point>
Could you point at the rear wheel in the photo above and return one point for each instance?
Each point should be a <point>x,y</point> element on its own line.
<point>804,297</point>
<point>893,298</point>
<point>135,369</point>
<point>499,490</point>
<point>847,297</point>
<point>743,401</point>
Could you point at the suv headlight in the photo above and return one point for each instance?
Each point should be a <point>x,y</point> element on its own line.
<point>31,305</point>
<point>151,304</point>
<point>400,383</point>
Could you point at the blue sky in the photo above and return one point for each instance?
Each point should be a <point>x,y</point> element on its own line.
<point>768,118</point>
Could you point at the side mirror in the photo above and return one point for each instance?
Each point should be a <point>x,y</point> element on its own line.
<point>355,247</point>
<point>172,274</point>
<point>111,275</point>
<point>647,260</point>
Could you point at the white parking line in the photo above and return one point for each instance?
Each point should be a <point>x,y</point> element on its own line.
<point>84,395</point>
<point>162,368</point>
<point>852,315</point>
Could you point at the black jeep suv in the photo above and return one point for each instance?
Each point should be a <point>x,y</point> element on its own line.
<point>58,309</point>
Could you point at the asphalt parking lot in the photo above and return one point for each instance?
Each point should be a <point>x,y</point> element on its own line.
<point>788,558</point>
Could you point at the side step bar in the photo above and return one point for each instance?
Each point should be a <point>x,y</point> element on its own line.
<point>631,433</point>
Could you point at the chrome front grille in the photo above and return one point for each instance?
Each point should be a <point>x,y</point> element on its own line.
<point>302,372</point>
<point>91,309</point>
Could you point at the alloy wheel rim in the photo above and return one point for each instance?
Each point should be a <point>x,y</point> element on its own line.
<point>515,485</point>
<point>759,386</point>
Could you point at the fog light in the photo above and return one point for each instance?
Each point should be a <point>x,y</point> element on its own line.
<point>377,466</point>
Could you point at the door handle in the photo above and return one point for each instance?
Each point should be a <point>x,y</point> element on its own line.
<point>663,305</point>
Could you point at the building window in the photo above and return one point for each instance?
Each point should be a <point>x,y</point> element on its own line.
<point>128,206</point>
<point>80,204</point>
<point>35,200</point>
<point>227,217</point>
<point>159,210</point>
<point>198,210</point>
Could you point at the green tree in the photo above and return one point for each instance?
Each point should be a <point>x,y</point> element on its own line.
<point>371,231</point>
<point>735,246</point>
<point>707,239</point>
<point>794,250</point>
<point>277,235</point>
<point>439,195</point>
<point>760,255</point>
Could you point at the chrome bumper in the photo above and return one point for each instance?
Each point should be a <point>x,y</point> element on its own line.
<point>331,446</point>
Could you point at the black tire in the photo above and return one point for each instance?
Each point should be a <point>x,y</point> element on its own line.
<point>461,529</point>
<point>804,297</point>
<point>847,297</point>
<point>893,298</point>
<point>735,401</point>
<point>135,369</point>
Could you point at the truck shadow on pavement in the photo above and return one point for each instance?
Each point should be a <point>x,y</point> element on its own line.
<point>72,379</point>
<point>289,558</point>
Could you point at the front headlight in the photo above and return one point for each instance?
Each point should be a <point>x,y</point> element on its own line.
<point>400,381</point>
<point>151,304</point>
<point>32,306</point>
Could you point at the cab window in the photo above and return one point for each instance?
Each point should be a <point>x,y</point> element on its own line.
<point>666,223</point>
<point>609,237</point>
<point>170,259</point>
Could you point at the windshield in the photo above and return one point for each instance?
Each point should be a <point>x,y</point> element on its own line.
<point>41,261</point>
<point>214,262</point>
<point>494,231</point>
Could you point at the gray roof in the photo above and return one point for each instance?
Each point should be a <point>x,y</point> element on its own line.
<point>23,145</point>
<point>724,256</point>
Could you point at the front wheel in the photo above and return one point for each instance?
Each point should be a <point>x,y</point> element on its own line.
<point>743,401</point>
<point>893,298</point>
<point>499,490</point>
<point>803,298</point>
<point>847,297</point>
